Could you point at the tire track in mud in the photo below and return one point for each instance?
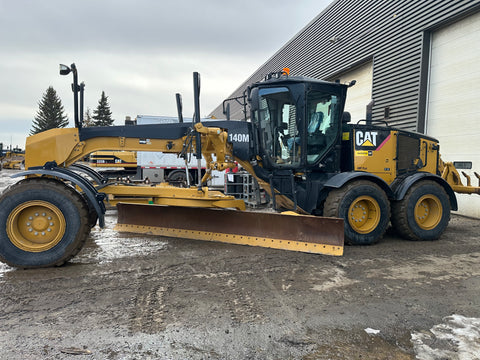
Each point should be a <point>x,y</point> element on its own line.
<point>240,304</point>
<point>153,305</point>
<point>149,308</point>
<point>242,308</point>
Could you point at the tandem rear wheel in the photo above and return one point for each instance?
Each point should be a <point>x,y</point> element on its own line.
<point>424,212</point>
<point>46,223</point>
<point>365,208</point>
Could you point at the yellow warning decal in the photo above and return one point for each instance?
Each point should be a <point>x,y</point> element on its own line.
<point>345,136</point>
<point>361,153</point>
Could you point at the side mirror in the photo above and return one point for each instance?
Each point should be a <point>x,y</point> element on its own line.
<point>253,99</point>
<point>346,117</point>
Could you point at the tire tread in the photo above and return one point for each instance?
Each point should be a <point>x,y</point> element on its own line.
<point>400,214</point>
<point>334,199</point>
<point>75,198</point>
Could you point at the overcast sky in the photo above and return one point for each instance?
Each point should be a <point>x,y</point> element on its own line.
<point>139,52</point>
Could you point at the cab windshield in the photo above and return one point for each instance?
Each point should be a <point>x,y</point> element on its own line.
<point>284,137</point>
<point>277,114</point>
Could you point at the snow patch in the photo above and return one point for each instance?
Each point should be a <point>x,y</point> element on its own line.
<point>4,268</point>
<point>458,338</point>
<point>371,331</point>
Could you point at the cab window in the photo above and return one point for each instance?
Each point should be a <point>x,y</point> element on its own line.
<point>321,125</point>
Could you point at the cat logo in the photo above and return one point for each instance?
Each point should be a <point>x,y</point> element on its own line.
<point>367,138</point>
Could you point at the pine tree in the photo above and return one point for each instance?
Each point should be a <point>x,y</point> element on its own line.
<point>87,119</point>
<point>50,114</point>
<point>102,115</point>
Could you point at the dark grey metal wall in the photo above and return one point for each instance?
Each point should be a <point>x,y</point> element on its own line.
<point>395,35</point>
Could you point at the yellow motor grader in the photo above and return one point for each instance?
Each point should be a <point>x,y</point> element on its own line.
<point>11,159</point>
<point>337,179</point>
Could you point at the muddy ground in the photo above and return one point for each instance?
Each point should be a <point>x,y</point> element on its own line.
<point>140,297</point>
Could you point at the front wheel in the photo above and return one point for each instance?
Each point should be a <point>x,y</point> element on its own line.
<point>365,208</point>
<point>424,212</point>
<point>43,222</point>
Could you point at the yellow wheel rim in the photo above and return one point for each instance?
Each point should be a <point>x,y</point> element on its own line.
<point>364,214</point>
<point>35,226</point>
<point>428,212</point>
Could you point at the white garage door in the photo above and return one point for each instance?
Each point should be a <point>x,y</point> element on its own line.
<point>453,111</point>
<point>359,95</point>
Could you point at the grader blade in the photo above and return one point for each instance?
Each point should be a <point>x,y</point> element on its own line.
<point>306,233</point>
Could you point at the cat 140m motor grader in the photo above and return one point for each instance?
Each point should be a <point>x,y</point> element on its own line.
<point>340,180</point>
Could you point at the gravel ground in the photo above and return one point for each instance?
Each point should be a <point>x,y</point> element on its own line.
<point>145,297</point>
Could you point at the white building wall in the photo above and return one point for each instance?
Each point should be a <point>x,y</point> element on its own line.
<point>453,112</point>
<point>360,94</point>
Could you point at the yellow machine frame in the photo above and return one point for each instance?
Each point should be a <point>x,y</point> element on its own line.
<point>64,147</point>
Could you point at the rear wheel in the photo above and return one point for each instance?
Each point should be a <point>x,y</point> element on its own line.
<point>424,212</point>
<point>43,223</point>
<point>365,209</point>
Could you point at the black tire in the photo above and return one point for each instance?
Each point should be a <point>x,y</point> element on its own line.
<point>424,212</point>
<point>92,213</point>
<point>43,222</point>
<point>179,178</point>
<point>365,209</point>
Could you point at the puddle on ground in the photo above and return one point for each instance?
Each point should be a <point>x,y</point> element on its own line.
<point>105,245</point>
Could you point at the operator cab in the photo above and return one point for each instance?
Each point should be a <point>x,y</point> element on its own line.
<point>297,120</point>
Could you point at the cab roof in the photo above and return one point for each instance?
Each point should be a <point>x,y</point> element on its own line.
<point>285,79</point>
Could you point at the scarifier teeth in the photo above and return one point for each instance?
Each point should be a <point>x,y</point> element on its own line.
<point>469,181</point>
<point>478,177</point>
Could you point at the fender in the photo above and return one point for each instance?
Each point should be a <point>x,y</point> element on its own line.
<point>96,176</point>
<point>95,198</point>
<point>338,180</point>
<point>401,187</point>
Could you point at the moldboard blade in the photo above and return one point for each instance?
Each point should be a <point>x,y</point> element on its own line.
<point>306,233</point>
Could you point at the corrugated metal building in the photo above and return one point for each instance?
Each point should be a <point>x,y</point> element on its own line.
<point>417,59</point>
